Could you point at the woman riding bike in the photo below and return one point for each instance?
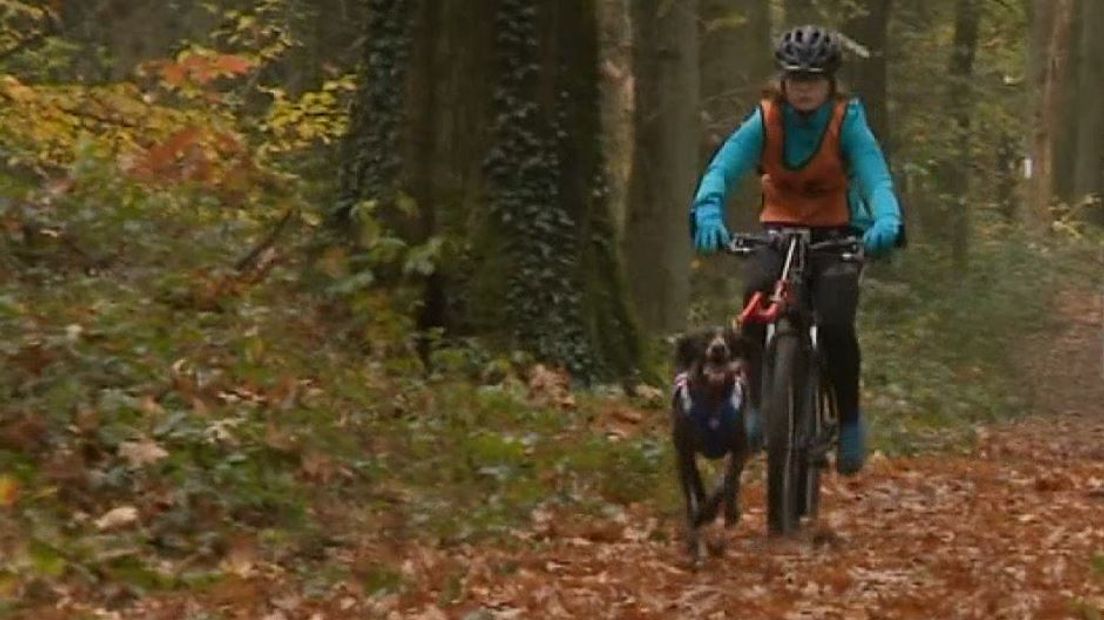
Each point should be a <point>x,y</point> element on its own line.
<point>821,168</point>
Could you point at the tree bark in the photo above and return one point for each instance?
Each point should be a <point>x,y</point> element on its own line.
<point>564,289</point>
<point>1051,47</point>
<point>610,326</point>
<point>961,99</point>
<point>120,34</point>
<point>487,114</point>
<point>736,62</point>
<point>1068,132</point>
<point>870,76</point>
<point>1089,169</point>
<point>328,31</point>
<point>617,102</point>
<point>665,160</point>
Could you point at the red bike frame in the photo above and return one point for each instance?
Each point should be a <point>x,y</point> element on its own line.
<point>763,309</point>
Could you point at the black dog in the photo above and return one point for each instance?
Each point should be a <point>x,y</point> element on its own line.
<point>707,418</point>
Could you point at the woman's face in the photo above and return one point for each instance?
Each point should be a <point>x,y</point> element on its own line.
<point>807,92</point>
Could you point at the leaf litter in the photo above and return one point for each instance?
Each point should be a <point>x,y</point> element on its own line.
<point>1011,529</point>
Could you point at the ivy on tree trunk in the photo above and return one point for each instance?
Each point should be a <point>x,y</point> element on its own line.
<point>370,154</point>
<point>544,294</point>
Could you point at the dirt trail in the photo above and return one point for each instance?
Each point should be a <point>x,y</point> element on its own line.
<point>1015,530</point>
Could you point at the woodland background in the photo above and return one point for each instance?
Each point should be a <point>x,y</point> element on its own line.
<point>285,283</point>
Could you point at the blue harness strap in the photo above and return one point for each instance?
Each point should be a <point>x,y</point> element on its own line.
<point>714,427</point>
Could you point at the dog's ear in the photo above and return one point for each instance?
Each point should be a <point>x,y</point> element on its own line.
<point>688,349</point>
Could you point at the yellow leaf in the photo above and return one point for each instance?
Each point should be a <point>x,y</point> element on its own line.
<point>16,90</point>
<point>311,219</point>
<point>9,491</point>
<point>733,20</point>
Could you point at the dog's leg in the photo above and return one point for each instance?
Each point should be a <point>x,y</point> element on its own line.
<point>710,507</point>
<point>733,469</point>
<point>693,493</point>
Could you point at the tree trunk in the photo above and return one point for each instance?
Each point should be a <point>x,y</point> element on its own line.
<point>1007,175</point>
<point>665,160</point>
<point>328,32</point>
<point>564,291</point>
<point>609,325</point>
<point>736,62</point>
<point>371,161</point>
<point>961,99</point>
<point>1068,135</point>
<point>870,76</point>
<point>1089,169</point>
<point>120,34</point>
<point>487,114</point>
<point>617,103</point>
<point>1051,47</point>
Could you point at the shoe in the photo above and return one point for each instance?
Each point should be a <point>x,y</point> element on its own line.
<point>851,455</point>
<point>753,426</point>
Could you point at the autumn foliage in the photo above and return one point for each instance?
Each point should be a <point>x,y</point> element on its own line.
<point>213,406</point>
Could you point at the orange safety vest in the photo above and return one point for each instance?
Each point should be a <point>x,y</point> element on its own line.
<point>814,194</point>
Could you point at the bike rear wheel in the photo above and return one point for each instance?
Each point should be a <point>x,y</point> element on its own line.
<point>783,402</point>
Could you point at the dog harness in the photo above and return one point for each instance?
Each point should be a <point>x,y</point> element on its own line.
<point>713,426</point>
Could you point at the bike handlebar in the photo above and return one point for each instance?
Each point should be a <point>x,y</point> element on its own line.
<point>850,248</point>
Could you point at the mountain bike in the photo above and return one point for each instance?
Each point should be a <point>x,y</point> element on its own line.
<point>798,403</point>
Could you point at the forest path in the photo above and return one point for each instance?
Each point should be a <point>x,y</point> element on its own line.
<point>1013,530</point>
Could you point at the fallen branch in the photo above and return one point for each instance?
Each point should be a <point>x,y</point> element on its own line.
<point>248,261</point>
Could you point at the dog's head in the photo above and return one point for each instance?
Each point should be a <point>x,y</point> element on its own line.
<point>713,358</point>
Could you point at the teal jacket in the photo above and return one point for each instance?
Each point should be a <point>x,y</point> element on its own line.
<point>871,194</point>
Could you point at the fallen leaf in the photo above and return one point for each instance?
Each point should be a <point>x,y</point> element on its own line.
<point>318,467</point>
<point>628,415</point>
<point>150,406</point>
<point>9,491</point>
<point>550,387</point>
<point>288,602</point>
<point>432,613</point>
<point>87,420</point>
<point>649,393</point>
<point>141,453</point>
<point>241,559</point>
<point>117,518</point>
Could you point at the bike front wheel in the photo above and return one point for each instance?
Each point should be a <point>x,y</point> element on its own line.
<point>812,441</point>
<point>783,401</point>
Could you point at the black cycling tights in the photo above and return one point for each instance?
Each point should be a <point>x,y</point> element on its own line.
<point>835,290</point>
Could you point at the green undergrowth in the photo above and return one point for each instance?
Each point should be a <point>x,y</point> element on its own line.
<point>165,416</point>
<point>947,349</point>
<point>264,426</point>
